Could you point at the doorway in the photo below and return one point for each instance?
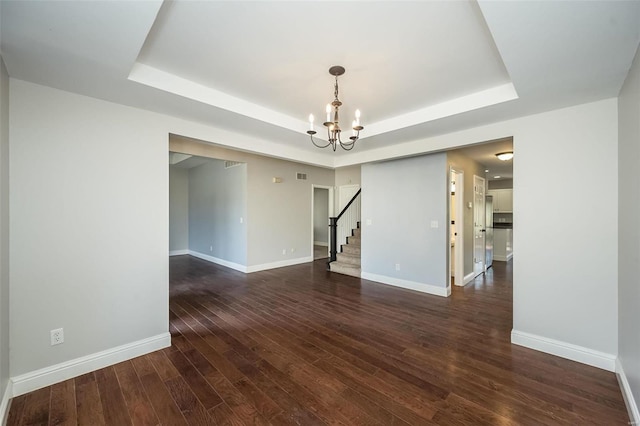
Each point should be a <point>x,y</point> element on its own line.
<point>321,210</point>
<point>479,237</point>
<point>456,227</point>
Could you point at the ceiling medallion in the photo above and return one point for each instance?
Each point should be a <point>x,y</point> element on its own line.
<point>333,128</point>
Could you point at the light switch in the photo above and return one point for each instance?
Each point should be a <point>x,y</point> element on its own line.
<point>369,222</point>
<point>434,223</point>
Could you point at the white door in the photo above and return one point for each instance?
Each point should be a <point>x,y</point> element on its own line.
<point>478,225</point>
<point>456,227</point>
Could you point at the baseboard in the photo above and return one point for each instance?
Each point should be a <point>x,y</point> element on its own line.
<point>178,252</point>
<point>320,243</point>
<point>501,258</point>
<point>279,264</point>
<point>222,262</point>
<point>564,350</point>
<point>468,278</point>
<point>5,405</point>
<point>67,370</point>
<point>410,285</point>
<point>630,402</point>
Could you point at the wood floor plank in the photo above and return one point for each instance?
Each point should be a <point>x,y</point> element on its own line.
<point>88,404</point>
<point>63,404</point>
<point>303,346</point>
<point>16,410</point>
<point>204,392</point>
<point>163,404</point>
<point>140,409</point>
<point>36,407</point>
<point>113,404</point>
<point>192,409</point>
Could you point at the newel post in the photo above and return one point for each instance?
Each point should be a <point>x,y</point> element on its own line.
<point>333,232</point>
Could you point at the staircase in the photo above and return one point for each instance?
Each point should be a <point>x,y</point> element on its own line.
<point>348,260</point>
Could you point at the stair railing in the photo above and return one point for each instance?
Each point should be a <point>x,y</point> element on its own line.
<point>351,213</point>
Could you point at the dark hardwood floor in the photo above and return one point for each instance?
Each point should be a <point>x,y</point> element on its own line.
<point>300,345</point>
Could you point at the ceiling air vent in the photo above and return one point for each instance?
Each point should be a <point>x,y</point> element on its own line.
<point>229,164</point>
<point>301,176</point>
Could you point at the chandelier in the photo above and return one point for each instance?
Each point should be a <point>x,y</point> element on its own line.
<point>332,125</point>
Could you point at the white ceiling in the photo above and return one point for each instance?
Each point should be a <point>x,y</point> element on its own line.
<point>415,69</point>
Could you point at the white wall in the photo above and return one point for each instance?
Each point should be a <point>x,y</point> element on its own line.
<point>217,211</point>
<point>629,231</point>
<point>178,210</point>
<point>4,233</point>
<point>89,225</point>
<point>400,199</point>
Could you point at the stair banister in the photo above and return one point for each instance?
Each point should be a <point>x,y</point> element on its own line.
<point>333,228</point>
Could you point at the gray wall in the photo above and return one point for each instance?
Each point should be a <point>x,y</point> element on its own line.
<point>470,168</point>
<point>320,215</point>
<point>500,184</point>
<point>4,228</point>
<point>89,218</point>
<point>401,198</point>
<point>218,210</point>
<point>629,228</point>
<point>178,209</point>
<point>279,215</point>
<point>348,175</point>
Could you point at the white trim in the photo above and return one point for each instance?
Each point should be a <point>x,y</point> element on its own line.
<point>458,250</point>
<point>5,405</point>
<point>279,264</point>
<point>565,350</point>
<point>66,370</point>
<point>178,252</point>
<point>217,261</point>
<point>411,285</point>
<point>321,243</point>
<point>630,402</point>
<point>468,278</point>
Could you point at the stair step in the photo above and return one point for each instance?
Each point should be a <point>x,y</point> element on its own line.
<point>353,240</point>
<point>350,258</point>
<point>350,248</point>
<point>357,232</point>
<point>345,268</point>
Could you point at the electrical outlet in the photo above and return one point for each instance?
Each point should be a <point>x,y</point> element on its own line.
<point>397,266</point>
<point>284,251</point>
<point>57,336</point>
<point>293,250</point>
<point>210,248</point>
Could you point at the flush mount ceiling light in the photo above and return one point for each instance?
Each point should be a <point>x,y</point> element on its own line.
<point>505,156</point>
<point>332,125</point>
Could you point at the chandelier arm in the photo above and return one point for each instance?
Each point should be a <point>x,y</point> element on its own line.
<point>351,146</point>
<point>319,146</point>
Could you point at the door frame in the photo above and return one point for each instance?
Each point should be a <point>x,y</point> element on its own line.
<point>330,212</point>
<point>477,208</point>
<point>458,251</point>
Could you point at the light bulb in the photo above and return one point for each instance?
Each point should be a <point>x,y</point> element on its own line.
<point>328,109</point>
<point>357,117</point>
<point>310,121</point>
